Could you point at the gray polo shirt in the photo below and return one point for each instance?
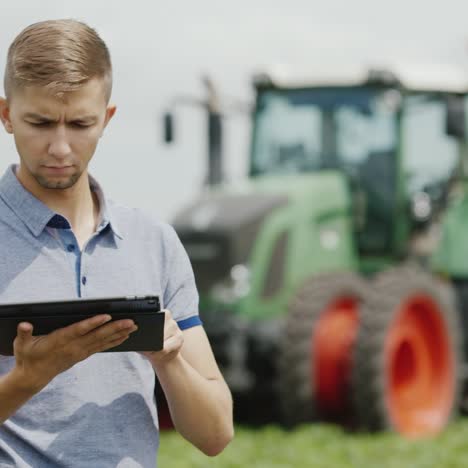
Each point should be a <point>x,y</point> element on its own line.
<point>101,412</point>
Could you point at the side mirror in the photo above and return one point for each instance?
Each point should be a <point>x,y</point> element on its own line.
<point>168,120</point>
<point>455,124</point>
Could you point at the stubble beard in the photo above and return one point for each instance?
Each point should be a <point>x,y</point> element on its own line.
<point>46,183</point>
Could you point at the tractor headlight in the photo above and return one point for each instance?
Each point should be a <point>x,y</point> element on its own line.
<point>421,206</point>
<point>234,287</point>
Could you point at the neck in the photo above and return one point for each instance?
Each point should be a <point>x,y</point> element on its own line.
<point>77,203</point>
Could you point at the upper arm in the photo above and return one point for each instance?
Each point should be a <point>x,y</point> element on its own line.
<point>197,351</point>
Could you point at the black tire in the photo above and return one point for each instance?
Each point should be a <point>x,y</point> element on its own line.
<point>461,289</point>
<point>371,382</point>
<point>296,388</point>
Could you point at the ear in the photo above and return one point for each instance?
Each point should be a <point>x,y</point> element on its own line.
<point>110,111</point>
<point>5,115</point>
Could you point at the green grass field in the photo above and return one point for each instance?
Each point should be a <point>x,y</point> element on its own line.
<point>321,446</point>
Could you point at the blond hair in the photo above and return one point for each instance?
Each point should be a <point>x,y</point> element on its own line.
<point>61,55</point>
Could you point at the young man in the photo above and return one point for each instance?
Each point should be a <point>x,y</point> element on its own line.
<point>61,402</point>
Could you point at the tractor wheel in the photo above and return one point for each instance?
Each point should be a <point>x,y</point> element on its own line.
<point>314,356</point>
<point>408,355</point>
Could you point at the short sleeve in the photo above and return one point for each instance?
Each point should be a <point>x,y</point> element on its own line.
<point>180,294</point>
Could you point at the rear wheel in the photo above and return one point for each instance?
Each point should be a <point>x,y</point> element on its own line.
<point>314,356</point>
<point>408,355</point>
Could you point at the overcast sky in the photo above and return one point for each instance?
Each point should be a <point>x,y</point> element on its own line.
<point>160,49</point>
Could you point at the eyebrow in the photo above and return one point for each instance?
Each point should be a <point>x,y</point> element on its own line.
<point>44,118</point>
<point>34,116</point>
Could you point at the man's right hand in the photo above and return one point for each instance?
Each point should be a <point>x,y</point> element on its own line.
<point>40,358</point>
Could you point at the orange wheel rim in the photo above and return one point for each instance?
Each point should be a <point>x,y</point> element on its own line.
<point>331,348</point>
<point>420,368</point>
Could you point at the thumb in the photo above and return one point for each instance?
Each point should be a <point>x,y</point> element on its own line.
<point>24,331</point>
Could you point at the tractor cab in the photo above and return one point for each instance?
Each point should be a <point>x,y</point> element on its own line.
<point>397,140</point>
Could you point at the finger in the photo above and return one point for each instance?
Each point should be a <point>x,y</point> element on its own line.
<point>115,340</point>
<point>171,329</point>
<point>120,334</point>
<point>24,331</point>
<point>114,343</point>
<point>172,347</point>
<point>174,343</point>
<point>82,328</point>
<point>104,333</point>
<point>167,315</point>
<point>170,325</point>
<point>23,336</point>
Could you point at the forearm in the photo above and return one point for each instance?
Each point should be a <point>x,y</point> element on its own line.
<point>201,408</point>
<point>15,391</point>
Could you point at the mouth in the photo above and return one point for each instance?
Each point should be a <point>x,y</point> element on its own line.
<point>58,169</point>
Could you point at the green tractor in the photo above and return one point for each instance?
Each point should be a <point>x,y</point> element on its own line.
<point>334,280</point>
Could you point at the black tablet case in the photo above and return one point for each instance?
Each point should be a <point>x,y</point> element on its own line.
<point>48,316</point>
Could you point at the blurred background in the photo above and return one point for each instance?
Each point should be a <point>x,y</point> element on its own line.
<point>160,49</point>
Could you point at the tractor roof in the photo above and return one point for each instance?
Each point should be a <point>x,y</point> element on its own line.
<point>439,78</point>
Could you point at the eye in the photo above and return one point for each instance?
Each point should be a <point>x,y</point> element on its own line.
<point>40,124</point>
<point>79,125</point>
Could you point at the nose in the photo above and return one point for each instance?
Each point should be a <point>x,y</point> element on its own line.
<point>59,145</point>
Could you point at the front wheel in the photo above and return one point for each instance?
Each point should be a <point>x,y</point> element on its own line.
<point>314,361</point>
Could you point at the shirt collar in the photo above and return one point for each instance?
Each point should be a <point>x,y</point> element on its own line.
<point>36,215</point>
<point>106,214</point>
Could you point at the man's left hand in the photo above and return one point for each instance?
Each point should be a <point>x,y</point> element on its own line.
<point>173,341</point>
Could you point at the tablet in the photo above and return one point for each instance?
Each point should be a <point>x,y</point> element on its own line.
<point>46,317</point>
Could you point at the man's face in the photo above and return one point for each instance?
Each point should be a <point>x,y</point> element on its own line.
<point>55,138</point>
